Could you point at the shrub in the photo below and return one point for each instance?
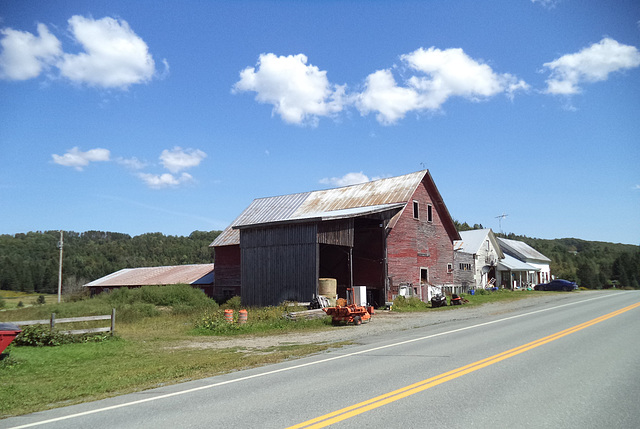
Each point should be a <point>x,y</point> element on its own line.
<point>409,304</point>
<point>233,303</point>
<point>42,336</point>
<point>20,304</point>
<point>166,296</point>
<point>41,300</point>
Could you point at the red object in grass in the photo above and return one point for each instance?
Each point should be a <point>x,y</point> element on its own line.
<point>8,332</point>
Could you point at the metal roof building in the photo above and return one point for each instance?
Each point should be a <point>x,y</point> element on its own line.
<point>198,275</point>
<point>279,247</point>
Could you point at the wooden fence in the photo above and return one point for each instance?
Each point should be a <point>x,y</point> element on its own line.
<point>52,323</point>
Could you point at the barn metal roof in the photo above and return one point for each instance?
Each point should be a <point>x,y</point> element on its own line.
<point>521,250</point>
<point>197,274</point>
<point>336,203</point>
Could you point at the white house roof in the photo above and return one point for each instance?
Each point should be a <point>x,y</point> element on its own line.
<point>509,263</point>
<point>196,274</point>
<point>522,251</point>
<point>472,241</point>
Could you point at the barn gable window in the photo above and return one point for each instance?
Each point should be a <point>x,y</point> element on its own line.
<point>416,210</point>
<point>429,213</point>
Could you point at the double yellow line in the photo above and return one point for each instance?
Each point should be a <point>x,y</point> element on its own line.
<point>412,389</point>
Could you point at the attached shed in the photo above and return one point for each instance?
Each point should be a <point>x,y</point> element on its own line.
<point>377,234</point>
<point>200,276</point>
<point>527,254</point>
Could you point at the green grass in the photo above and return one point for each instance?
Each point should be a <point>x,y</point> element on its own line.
<point>155,329</point>
<point>404,305</point>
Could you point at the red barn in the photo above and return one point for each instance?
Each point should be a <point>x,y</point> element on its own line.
<point>377,234</point>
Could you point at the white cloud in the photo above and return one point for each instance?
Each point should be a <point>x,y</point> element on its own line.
<point>178,159</point>
<point>299,93</point>
<point>24,55</point>
<point>77,159</point>
<point>546,3</point>
<point>114,56</point>
<point>442,74</point>
<point>383,95</point>
<point>346,180</point>
<point>591,64</point>
<point>133,163</point>
<point>166,180</point>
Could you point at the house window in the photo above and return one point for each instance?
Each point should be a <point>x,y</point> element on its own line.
<point>424,275</point>
<point>429,213</point>
<point>416,210</point>
<point>449,268</point>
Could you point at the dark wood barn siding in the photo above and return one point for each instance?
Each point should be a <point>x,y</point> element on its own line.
<point>278,264</point>
<point>338,233</point>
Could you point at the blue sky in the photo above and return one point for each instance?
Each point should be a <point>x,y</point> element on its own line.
<point>161,116</point>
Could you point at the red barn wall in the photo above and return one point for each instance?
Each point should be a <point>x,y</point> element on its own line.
<point>417,243</point>
<point>227,269</point>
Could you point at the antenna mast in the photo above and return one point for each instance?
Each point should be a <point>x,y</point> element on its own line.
<point>502,216</point>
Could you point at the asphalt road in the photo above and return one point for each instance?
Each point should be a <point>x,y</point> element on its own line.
<point>574,363</point>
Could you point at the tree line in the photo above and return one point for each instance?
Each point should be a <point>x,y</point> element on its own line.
<point>29,262</point>
<point>591,264</point>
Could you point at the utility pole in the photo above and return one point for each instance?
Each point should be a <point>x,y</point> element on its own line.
<point>60,246</point>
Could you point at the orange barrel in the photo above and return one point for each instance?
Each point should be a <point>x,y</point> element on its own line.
<point>228,316</point>
<point>242,318</point>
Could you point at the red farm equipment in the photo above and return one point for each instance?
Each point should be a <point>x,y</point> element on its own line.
<point>8,332</point>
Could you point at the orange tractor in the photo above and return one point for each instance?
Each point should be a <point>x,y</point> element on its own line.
<point>355,314</point>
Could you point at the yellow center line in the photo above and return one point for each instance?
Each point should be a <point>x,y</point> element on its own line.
<point>412,389</point>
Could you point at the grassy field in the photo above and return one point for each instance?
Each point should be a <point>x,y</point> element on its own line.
<point>151,348</point>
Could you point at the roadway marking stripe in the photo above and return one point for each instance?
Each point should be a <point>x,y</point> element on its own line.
<point>412,389</point>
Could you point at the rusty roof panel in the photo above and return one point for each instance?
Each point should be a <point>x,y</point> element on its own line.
<point>393,190</point>
<point>149,276</point>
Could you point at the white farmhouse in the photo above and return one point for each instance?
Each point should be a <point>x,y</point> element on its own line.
<point>485,253</point>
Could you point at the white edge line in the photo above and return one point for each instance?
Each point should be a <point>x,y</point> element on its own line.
<point>263,374</point>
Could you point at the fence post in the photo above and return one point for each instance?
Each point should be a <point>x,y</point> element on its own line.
<point>52,323</point>
<point>113,320</point>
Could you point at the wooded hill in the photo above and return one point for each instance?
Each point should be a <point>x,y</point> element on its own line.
<point>29,262</point>
<point>591,264</point>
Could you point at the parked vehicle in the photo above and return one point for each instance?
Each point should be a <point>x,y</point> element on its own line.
<point>558,284</point>
<point>438,301</point>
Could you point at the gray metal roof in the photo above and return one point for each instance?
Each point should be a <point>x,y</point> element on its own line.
<point>521,250</point>
<point>197,274</point>
<point>509,263</point>
<point>471,241</point>
<point>336,203</point>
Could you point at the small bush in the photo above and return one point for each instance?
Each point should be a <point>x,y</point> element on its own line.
<point>409,304</point>
<point>233,303</point>
<point>42,336</point>
<point>41,300</point>
<point>20,304</point>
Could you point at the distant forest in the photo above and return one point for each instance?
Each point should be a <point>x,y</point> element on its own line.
<point>29,262</point>
<point>591,264</point>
